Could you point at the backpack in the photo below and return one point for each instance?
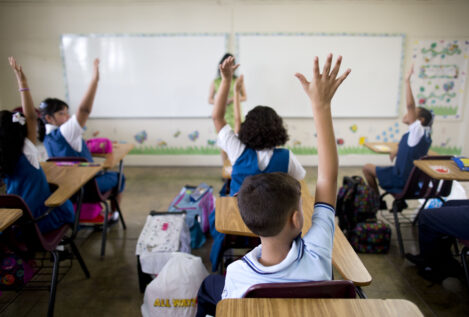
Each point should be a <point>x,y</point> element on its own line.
<point>371,237</point>
<point>356,202</point>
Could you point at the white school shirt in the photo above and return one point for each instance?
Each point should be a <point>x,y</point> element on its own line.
<point>229,142</point>
<point>71,131</point>
<point>416,132</point>
<point>309,259</point>
<point>31,153</point>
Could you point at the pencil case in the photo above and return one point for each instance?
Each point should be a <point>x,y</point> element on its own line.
<point>462,163</point>
<point>99,145</point>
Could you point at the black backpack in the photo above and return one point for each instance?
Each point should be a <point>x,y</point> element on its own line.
<point>356,202</point>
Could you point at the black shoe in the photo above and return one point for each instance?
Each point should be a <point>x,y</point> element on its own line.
<point>400,205</point>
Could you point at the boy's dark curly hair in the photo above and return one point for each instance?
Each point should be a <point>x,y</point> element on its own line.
<point>12,135</point>
<point>263,129</point>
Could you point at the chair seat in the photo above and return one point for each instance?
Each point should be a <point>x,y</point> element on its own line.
<point>51,239</point>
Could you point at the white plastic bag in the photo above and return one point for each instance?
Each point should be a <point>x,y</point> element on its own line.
<point>174,291</point>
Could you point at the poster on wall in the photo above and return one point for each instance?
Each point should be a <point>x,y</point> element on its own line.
<point>440,68</point>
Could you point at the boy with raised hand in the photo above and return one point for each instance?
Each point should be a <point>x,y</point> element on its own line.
<point>270,205</point>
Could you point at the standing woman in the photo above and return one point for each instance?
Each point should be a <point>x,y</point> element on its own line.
<point>230,115</point>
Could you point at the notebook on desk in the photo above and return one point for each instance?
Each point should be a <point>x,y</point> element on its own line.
<point>462,162</point>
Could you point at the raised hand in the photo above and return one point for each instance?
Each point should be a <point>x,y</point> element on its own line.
<point>323,85</point>
<point>228,67</point>
<point>96,69</point>
<point>17,69</point>
<point>410,73</point>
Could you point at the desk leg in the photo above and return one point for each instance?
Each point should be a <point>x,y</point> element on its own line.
<point>360,292</point>
<point>77,213</point>
<point>121,172</point>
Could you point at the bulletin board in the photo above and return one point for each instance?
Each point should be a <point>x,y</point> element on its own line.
<point>373,89</point>
<point>143,75</point>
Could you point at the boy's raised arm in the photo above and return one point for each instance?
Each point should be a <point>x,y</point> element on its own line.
<point>411,114</point>
<point>26,100</point>
<point>86,104</point>
<point>218,115</point>
<point>320,91</point>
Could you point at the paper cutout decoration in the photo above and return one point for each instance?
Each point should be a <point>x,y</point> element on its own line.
<point>177,133</point>
<point>211,142</point>
<point>362,140</point>
<point>340,141</point>
<point>141,137</point>
<point>161,143</point>
<point>193,136</point>
<point>296,142</point>
<point>354,128</point>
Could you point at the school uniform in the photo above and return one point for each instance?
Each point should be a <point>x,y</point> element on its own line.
<point>309,259</point>
<point>413,145</point>
<point>29,181</point>
<point>67,140</point>
<point>247,162</point>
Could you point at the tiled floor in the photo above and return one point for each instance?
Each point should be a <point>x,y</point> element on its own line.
<point>113,290</point>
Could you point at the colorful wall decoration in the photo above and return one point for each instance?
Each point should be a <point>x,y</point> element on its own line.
<point>440,74</point>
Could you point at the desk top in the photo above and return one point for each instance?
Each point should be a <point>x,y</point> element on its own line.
<point>381,147</point>
<point>321,307</point>
<point>8,217</point>
<point>442,169</point>
<point>228,220</point>
<point>69,180</point>
<point>119,151</point>
<point>387,147</point>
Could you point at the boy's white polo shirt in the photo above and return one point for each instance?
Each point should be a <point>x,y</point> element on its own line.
<point>71,131</point>
<point>309,259</point>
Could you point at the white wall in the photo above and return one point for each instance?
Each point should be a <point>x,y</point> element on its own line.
<point>31,32</point>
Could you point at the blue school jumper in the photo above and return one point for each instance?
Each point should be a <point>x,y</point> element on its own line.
<point>394,178</point>
<point>246,165</point>
<point>56,145</point>
<point>31,184</point>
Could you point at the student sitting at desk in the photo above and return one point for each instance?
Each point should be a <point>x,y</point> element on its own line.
<point>19,160</point>
<point>413,145</point>
<point>64,134</point>
<point>253,150</point>
<point>437,228</point>
<point>270,205</point>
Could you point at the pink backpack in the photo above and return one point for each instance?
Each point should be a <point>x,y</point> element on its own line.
<point>89,211</point>
<point>99,145</point>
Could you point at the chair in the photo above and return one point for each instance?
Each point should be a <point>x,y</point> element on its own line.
<point>321,289</point>
<point>417,187</point>
<point>92,194</point>
<point>36,241</point>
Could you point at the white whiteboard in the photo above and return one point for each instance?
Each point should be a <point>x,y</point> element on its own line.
<point>269,62</point>
<point>143,75</point>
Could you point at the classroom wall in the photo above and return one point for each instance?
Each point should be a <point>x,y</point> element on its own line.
<point>31,31</point>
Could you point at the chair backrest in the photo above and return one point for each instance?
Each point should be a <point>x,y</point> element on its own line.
<point>318,289</point>
<point>92,193</point>
<point>30,233</point>
<point>417,186</point>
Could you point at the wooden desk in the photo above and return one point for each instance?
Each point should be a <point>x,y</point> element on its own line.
<point>8,217</point>
<point>381,147</point>
<point>228,220</point>
<point>69,180</point>
<point>293,307</point>
<point>226,169</point>
<point>430,167</point>
<point>119,151</point>
<point>388,147</point>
